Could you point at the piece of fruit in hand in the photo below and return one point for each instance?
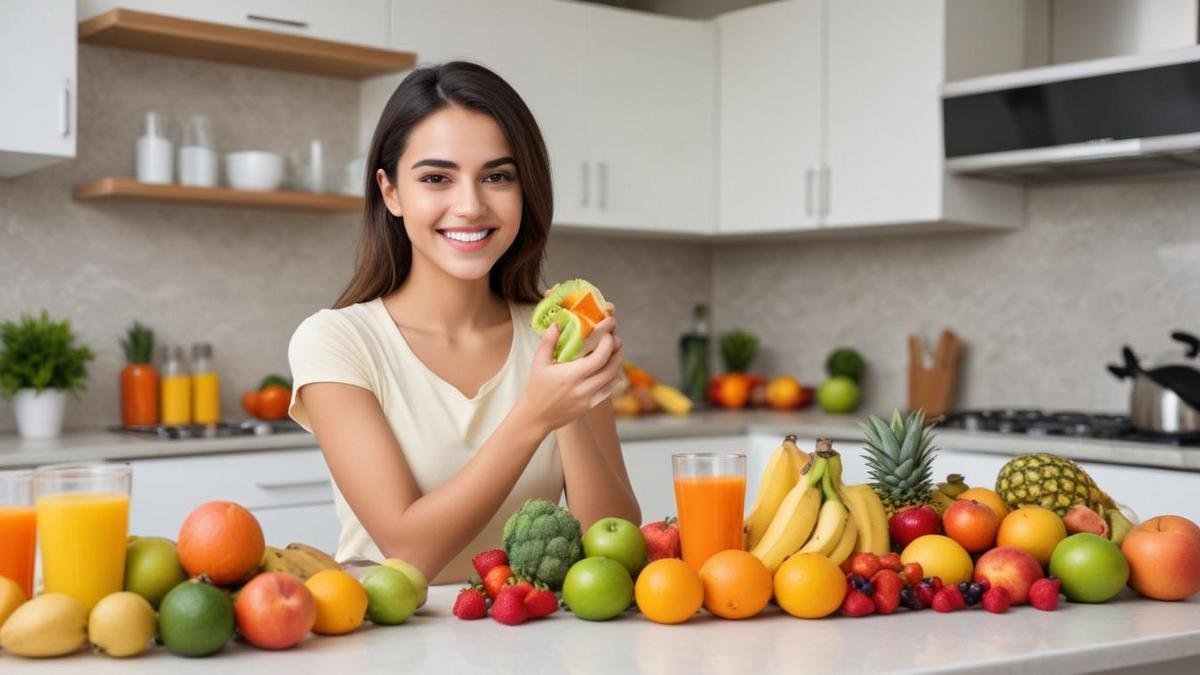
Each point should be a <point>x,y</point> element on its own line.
<point>575,306</point>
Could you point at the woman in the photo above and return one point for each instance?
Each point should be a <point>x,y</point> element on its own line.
<point>438,410</point>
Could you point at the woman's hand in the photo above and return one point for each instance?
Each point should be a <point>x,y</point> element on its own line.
<point>558,393</point>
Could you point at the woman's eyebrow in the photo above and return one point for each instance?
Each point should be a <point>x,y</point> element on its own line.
<point>447,164</point>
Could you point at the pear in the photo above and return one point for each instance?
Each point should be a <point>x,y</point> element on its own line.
<point>53,624</point>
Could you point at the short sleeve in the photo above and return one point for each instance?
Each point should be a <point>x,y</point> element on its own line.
<point>325,348</point>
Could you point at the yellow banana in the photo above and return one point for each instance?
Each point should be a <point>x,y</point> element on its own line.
<point>846,545</point>
<point>832,519</point>
<point>671,399</point>
<point>324,559</point>
<point>868,510</point>
<point>794,520</point>
<point>291,561</point>
<point>780,476</point>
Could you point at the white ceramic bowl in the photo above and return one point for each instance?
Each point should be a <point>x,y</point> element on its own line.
<point>254,170</point>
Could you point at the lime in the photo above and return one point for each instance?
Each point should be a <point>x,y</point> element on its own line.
<point>152,568</point>
<point>391,597</point>
<point>597,588</point>
<point>195,619</point>
<point>838,395</point>
<point>845,362</point>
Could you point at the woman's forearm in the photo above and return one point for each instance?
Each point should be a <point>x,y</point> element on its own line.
<point>596,482</point>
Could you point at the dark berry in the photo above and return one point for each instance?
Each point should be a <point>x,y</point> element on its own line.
<point>984,583</point>
<point>972,597</point>
<point>908,598</point>
<point>855,580</point>
<point>867,588</point>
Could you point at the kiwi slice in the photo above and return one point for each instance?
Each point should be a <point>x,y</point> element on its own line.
<point>570,336</point>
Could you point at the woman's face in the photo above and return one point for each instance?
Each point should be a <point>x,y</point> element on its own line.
<point>458,191</point>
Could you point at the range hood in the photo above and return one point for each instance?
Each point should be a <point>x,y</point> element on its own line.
<point>1122,116</point>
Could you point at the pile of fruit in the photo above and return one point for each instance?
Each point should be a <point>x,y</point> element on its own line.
<point>642,394</point>
<point>220,579</point>
<point>739,388</point>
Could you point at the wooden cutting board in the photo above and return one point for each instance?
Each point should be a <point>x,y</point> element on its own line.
<point>932,387</point>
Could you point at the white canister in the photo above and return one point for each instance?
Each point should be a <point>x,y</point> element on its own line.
<point>39,413</point>
<point>154,160</point>
<point>197,166</point>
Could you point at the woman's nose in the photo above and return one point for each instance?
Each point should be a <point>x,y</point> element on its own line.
<point>467,202</point>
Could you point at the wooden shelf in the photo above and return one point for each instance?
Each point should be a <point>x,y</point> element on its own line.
<point>189,38</point>
<point>129,189</point>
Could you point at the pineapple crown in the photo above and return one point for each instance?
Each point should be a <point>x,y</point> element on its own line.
<point>738,349</point>
<point>138,344</point>
<point>899,456</point>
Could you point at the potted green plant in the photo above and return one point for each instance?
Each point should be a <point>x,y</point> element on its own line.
<point>39,364</point>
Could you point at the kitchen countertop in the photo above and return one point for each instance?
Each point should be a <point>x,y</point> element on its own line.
<point>106,445</point>
<point>1125,633</point>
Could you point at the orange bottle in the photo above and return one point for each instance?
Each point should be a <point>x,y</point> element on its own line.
<point>710,512</point>
<point>139,379</point>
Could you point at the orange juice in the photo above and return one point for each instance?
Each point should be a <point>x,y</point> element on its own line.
<point>710,515</point>
<point>18,531</point>
<point>206,398</point>
<point>82,538</point>
<point>176,404</point>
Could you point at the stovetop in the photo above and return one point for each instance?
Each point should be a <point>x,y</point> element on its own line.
<point>1068,424</point>
<point>219,430</point>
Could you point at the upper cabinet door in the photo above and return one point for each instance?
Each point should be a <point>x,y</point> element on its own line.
<point>650,113</point>
<point>770,120</point>
<point>537,47</point>
<point>884,142</point>
<point>37,118</point>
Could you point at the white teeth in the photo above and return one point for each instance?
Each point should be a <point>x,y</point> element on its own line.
<point>466,236</point>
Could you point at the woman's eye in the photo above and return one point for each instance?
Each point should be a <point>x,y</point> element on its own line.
<point>499,177</point>
<point>434,179</point>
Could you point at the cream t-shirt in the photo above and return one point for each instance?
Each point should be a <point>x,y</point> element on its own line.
<point>439,429</point>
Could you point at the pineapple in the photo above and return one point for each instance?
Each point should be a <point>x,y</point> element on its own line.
<point>900,457</point>
<point>1051,481</point>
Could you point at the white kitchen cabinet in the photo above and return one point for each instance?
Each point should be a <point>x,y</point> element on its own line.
<point>357,22</point>
<point>651,121</point>
<point>648,464</point>
<point>37,117</point>
<point>770,116</point>
<point>289,491</point>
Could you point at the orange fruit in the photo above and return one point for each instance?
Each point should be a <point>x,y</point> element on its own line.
<point>1034,529</point>
<point>940,556</point>
<point>341,602</point>
<point>972,524</point>
<point>222,540</point>
<point>668,591</point>
<point>736,584</point>
<point>988,498</point>
<point>809,585</point>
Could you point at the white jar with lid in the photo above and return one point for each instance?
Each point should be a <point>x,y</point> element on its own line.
<point>154,151</point>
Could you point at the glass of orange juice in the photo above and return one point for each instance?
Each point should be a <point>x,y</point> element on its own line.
<point>18,528</point>
<point>710,494</point>
<point>82,524</point>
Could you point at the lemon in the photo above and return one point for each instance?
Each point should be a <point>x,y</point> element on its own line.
<point>122,624</point>
<point>940,556</point>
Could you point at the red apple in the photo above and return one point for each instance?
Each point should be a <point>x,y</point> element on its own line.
<point>1011,568</point>
<point>662,539</point>
<point>1164,558</point>
<point>918,521</point>
<point>275,610</point>
<point>972,524</point>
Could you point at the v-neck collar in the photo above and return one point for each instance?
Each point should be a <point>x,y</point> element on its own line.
<point>485,387</point>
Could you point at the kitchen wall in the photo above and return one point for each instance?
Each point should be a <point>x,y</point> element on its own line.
<point>240,279</point>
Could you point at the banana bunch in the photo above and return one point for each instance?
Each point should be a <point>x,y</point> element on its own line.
<point>814,512</point>
<point>944,494</point>
<point>301,560</point>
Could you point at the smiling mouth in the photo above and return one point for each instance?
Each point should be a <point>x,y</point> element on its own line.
<point>467,237</point>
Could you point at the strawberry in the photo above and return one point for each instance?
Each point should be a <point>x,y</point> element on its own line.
<point>485,561</point>
<point>891,561</point>
<point>1043,594</point>
<point>996,600</point>
<point>865,564</point>
<point>470,604</point>
<point>887,591</point>
<point>496,578</point>
<point>925,592</point>
<point>662,539</point>
<point>857,604</point>
<point>949,599</point>
<point>509,607</point>
<point>540,602</point>
<point>912,573</point>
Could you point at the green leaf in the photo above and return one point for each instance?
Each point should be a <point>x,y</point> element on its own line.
<point>38,353</point>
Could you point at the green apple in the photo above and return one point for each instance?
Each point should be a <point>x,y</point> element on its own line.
<point>152,568</point>
<point>414,575</point>
<point>597,588</point>
<point>838,394</point>
<point>391,597</point>
<point>618,539</point>
<point>1091,567</point>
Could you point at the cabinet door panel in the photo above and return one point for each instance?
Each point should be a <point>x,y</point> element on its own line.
<point>37,118</point>
<point>770,116</point>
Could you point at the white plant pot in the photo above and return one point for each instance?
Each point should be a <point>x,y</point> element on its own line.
<point>39,414</point>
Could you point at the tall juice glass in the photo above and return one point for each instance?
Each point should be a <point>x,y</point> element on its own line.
<point>710,494</point>
<point>18,528</point>
<point>83,521</point>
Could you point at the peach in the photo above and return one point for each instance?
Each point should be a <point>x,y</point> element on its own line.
<point>1164,558</point>
<point>1011,568</point>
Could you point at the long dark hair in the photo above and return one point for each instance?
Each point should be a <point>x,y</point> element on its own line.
<point>385,251</point>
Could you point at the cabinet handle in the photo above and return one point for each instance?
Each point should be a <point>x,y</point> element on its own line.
<point>275,20</point>
<point>826,180</point>
<point>587,184</point>
<point>292,484</point>
<point>603,171</point>
<point>64,110</point>
<point>809,176</point>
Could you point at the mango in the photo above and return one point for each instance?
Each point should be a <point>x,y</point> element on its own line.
<point>53,624</point>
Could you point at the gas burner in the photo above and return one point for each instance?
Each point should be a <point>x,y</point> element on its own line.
<point>1065,423</point>
<point>174,432</point>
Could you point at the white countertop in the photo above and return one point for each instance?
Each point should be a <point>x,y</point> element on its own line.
<point>77,446</point>
<point>1076,638</point>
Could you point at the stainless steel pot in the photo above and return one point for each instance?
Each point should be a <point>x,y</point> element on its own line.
<point>1162,400</point>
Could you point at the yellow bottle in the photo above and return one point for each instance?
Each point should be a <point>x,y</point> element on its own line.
<point>176,390</point>
<point>206,386</point>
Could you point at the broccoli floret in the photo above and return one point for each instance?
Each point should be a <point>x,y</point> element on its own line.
<point>543,540</point>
